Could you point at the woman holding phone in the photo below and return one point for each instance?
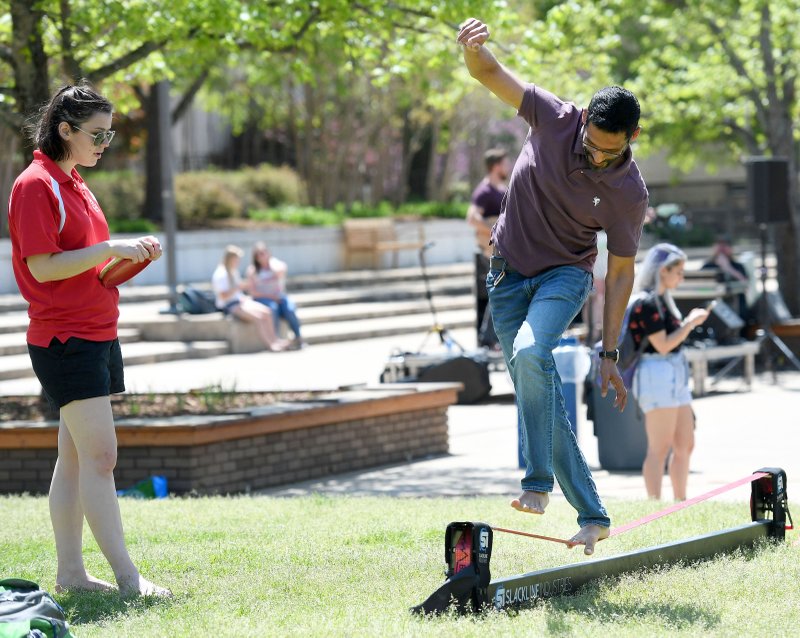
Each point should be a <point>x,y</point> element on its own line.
<point>60,241</point>
<point>661,382</point>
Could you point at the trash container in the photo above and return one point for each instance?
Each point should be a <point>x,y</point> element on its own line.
<point>573,364</point>
<point>621,437</point>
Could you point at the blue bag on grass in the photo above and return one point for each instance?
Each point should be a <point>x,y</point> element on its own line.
<point>153,487</point>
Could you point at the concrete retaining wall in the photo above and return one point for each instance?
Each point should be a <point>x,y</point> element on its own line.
<point>306,250</point>
<point>238,454</point>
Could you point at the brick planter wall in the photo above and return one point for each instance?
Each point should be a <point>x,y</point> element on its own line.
<point>238,453</point>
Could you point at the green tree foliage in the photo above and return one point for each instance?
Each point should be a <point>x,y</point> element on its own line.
<point>717,80</point>
<point>125,46</point>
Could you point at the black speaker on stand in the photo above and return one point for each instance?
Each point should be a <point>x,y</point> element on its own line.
<point>768,202</point>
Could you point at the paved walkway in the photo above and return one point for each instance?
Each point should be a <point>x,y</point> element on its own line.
<point>737,433</point>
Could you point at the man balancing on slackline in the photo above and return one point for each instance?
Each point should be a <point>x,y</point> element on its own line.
<point>574,177</point>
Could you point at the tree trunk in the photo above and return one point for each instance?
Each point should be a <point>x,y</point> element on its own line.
<point>9,141</point>
<point>433,177</point>
<point>32,83</point>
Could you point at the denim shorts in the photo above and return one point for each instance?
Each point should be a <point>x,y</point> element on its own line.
<point>662,381</point>
<point>78,369</point>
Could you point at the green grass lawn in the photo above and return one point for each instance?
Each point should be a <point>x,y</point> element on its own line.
<point>319,566</point>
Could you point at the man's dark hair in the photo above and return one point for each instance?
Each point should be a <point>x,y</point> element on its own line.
<point>493,157</point>
<point>614,110</point>
<point>73,105</point>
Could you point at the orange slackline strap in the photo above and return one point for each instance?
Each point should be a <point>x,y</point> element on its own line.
<point>539,536</point>
<point>650,517</point>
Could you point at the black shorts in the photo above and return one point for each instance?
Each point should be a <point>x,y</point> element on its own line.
<point>78,369</point>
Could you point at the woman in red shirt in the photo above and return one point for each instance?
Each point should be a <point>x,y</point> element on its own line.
<point>60,242</point>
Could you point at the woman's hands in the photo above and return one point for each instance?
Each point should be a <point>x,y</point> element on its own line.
<point>696,317</point>
<point>137,250</point>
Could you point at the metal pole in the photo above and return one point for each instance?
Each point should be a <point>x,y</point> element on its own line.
<point>166,200</point>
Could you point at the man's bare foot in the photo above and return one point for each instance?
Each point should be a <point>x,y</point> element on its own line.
<point>531,502</point>
<point>588,536</point>
<point>143,588</point>
<point>81,582</point>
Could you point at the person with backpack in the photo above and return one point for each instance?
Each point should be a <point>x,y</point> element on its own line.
<point>574,177</point>
<point>661,380</point>
<point>59,245</point>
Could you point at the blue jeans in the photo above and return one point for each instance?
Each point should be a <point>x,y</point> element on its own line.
<point>530,314</point>
<point>283,309</point>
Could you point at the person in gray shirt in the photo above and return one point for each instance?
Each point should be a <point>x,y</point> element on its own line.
<point>574,177</point>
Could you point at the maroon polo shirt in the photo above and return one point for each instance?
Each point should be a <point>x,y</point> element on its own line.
<point>488,198</point>
<point>556,202</point>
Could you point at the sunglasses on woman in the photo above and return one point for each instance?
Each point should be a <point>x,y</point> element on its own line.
<point>99,138</point>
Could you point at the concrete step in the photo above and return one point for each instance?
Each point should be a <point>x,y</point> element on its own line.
<point>131,293</point>
<point>378,309</point>
<point>13,321</point>
<point>12,343</point>
<point>384,291</point>
<point>19,366</point>
<point>356,278</point>
<point>332,307</point>
<point>386,326</point>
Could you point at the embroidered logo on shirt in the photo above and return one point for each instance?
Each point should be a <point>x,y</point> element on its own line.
<point>596,200</point>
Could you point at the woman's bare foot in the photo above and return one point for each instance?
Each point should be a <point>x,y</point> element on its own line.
<point>81,582</point>
<point>531,502</point>
<point>588,536</point>
<point>143,588</point>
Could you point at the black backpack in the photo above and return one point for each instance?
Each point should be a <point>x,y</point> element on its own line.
<point>629,352</point>
<point>29,612</point>
<point>197,302</point>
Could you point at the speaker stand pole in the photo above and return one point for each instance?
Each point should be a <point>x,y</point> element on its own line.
<point>764,318</point>
<point>444,335</point>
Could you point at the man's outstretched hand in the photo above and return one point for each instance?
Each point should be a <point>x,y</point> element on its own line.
<point>473,34</point>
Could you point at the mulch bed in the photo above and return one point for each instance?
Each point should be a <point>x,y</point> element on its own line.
<point>200,402</point>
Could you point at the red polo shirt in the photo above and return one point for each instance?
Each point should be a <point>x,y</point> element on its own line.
<point>52,212</point>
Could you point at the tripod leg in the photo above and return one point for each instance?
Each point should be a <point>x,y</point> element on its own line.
<point>783,348</point>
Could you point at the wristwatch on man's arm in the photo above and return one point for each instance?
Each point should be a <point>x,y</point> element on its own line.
<point>610,354</point>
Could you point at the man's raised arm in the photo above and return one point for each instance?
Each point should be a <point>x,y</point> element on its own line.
<point>485,68</point>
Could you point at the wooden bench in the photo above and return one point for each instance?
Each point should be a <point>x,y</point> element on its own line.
<point>371,237</point>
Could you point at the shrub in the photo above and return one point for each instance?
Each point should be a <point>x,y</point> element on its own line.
<point>297,216</point>
<point>269,186</point>
<point>143,226</point>
<point>447,210</point>
<point>120,193</point>
<point>204,196</point>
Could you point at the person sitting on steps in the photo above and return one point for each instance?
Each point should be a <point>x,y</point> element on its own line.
<point>231,299</point>
<point>266,283</point>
